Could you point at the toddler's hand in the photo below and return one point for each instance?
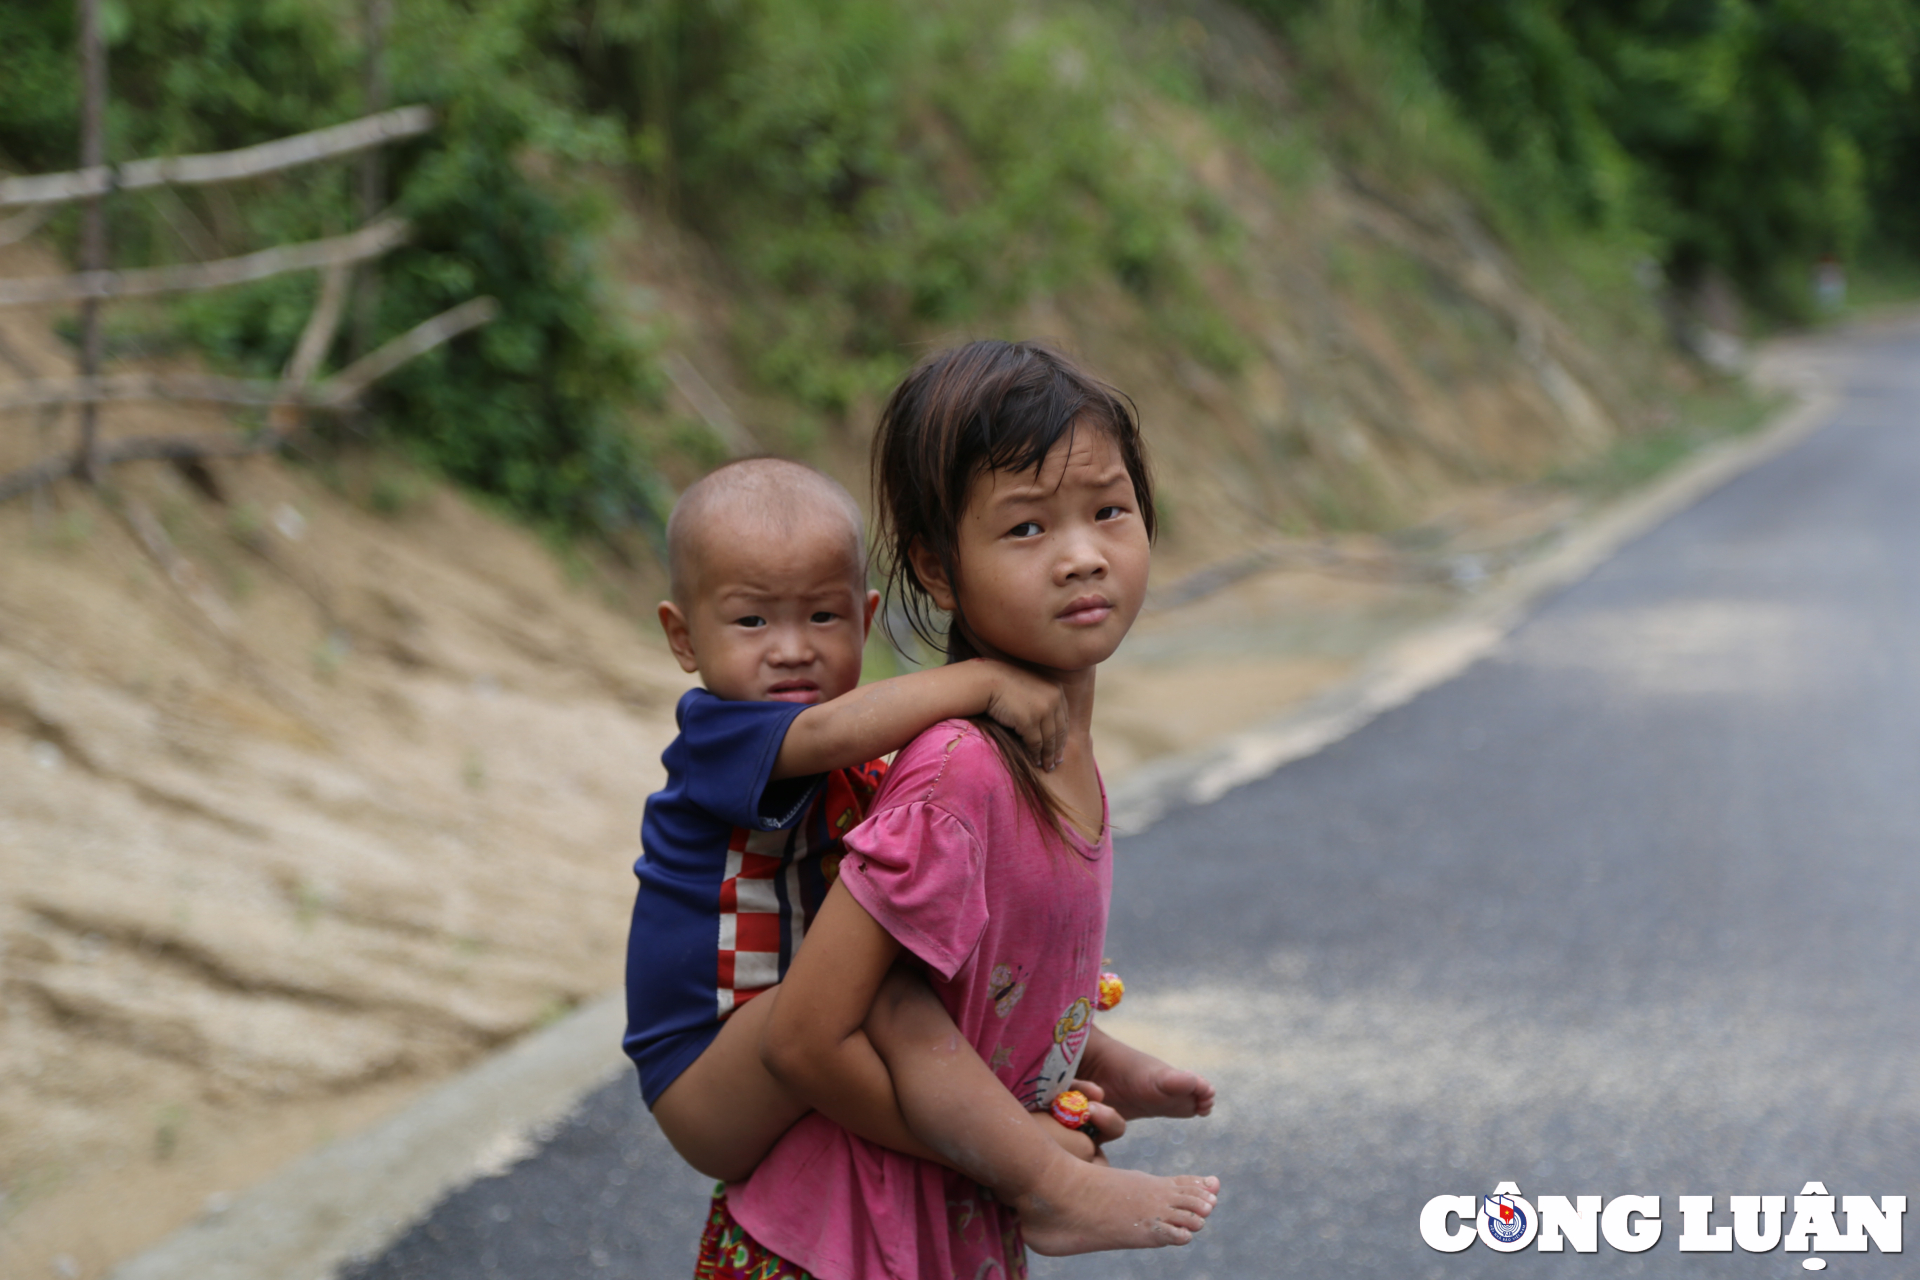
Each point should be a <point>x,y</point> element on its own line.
<point>1077,1142</point>
<point>1033,707</point>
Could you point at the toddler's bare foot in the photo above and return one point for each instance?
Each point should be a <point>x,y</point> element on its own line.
<point>1088,1207</point>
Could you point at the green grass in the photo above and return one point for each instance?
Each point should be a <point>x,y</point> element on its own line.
<point>1879,282</point>
<point>1700,419</point>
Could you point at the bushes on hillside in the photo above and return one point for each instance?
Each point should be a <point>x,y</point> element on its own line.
<point>533,408</point>
<point>1745,137</point>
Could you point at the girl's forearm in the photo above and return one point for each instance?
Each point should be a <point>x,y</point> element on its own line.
<point>814,1043</point>
<point>851,1087</point>
<point>880,717</point>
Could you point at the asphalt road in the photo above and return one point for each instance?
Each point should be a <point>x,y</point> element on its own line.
<point>1626,909</point>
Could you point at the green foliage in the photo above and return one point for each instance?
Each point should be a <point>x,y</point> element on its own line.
<point>878,174</point>
<point>1745,137</point>
<point>534,409</point>
<point>880,171</point>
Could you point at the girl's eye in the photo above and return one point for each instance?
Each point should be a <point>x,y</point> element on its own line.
<point>1025,529</point>
<point>751,620</point>
<point>1110,513</point>
<point>825,615</point>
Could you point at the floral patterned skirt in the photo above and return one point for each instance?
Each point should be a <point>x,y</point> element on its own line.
<point>727,1252</point>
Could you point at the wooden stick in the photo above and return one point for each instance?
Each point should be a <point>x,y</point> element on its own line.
<point>370,184</point>
<point>346,386</point>
<point>22,225</point>
<point>93,228</point>
<point>27,479</point>
<point>321,326</point>
<point>219,166</point>
<point>338,392</point>
<point>335,393</point>
<point>707,403</point>
<point>142,386</point>
<point>368,242</point>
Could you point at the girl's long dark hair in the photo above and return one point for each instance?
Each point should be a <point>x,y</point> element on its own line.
<point>986,406</point>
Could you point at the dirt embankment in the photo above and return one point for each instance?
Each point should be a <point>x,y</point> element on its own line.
<point>300,807</point>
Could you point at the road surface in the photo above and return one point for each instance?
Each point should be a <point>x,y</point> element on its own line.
<point>1628,908</point>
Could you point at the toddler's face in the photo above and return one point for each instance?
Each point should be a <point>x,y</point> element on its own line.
<point>775,617</point>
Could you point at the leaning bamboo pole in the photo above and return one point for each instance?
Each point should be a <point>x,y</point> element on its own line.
<point>334,394</point>
<point>219,166</point>
<point>368,242</point>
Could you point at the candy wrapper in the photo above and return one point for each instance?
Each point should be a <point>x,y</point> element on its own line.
<point>1073,1110</point>
<point>1111,989</point>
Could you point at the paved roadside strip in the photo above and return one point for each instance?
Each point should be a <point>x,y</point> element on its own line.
<point>353,1197</point>
<point>350,1198</point>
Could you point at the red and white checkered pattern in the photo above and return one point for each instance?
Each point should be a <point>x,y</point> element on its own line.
<point>750,911</point>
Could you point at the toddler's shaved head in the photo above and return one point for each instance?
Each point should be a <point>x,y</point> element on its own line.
<point>755,498</point>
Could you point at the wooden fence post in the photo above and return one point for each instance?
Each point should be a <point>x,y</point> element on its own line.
<point>93,231</point>
<point>372,177</point>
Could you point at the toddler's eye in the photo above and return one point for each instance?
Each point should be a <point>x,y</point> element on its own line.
<point>1025,529</point>
<point>825,615</point>
<point>1110,513</point>
<point>751,620</point>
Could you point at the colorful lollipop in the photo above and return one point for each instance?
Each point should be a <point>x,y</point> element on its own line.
<point>1111,989</point>
<point>1073,1110</point>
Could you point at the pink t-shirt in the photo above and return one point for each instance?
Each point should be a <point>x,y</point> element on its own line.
<point>1010,924</point>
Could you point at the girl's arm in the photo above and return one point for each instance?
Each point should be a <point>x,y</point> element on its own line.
<point>815,1046</point>
<point>813,1042</point>
<point>884,716</point>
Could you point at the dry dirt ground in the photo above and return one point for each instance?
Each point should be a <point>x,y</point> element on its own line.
<point>317,784</point>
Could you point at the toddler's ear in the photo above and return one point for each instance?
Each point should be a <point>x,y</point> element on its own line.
<point>873,606</point>
<point>679,636</point>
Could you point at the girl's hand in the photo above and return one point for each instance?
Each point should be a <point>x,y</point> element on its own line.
<point>1030,705</point>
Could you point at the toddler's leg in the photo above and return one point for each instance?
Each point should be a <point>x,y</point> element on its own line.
<point>726,1110</point>
<point>956,1105</point>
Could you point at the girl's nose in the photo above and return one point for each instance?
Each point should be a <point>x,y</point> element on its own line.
<point>1081,557</point>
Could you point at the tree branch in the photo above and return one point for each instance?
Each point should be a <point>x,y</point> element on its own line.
<point>337,392</point>
<point>368,242</point>
<point>345,387</point>
<point>218,166</point>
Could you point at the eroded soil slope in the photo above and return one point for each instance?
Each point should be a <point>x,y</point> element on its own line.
<point>300,806</point>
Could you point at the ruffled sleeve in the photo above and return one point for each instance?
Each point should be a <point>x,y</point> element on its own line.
<point>917,864</point>
<point>917,869</point>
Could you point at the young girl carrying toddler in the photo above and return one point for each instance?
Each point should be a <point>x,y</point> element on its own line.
<point>1015,498</point>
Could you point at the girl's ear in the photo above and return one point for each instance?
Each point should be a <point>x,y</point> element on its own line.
<point>932,575</point>
<point>873,605</point>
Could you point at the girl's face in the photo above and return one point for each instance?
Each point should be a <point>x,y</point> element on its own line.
<point>1053,563</point>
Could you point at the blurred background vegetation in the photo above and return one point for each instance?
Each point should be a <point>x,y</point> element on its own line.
<point>871,172</point>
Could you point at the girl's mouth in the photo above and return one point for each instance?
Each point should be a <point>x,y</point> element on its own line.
<point>1087,611</point>
<point>794,691</point>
